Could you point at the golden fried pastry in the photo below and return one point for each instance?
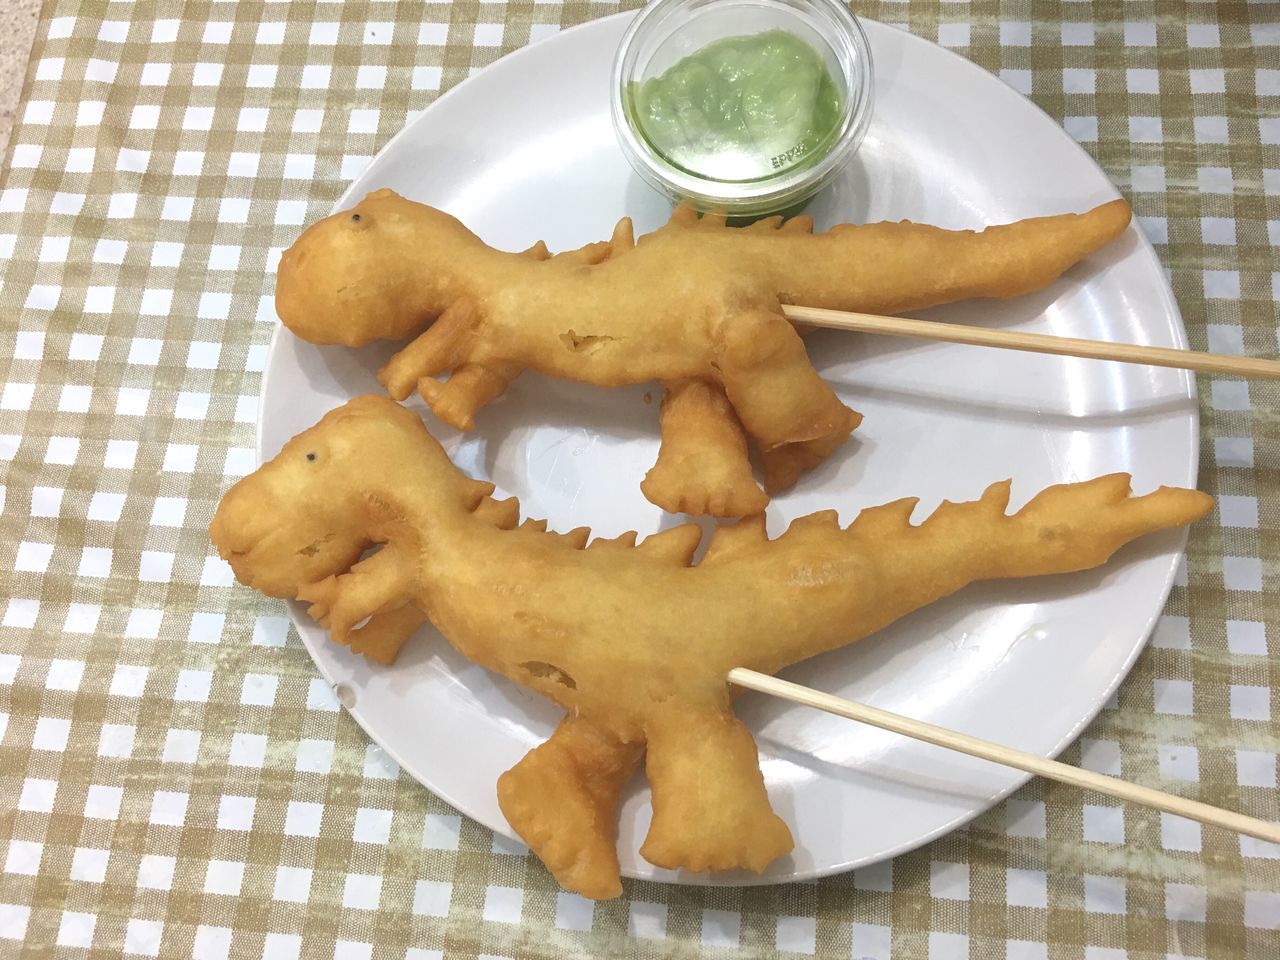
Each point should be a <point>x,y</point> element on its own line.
<point>693,302</point>
<point>633,640</point>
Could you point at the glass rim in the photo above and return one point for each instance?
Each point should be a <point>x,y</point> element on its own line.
<point>849,45</point>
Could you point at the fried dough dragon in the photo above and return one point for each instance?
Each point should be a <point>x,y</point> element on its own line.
<point>634,641</point>
<point>693,305</point>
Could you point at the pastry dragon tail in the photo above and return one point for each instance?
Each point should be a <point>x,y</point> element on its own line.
<point>893,267</point>
<point>845,583</point>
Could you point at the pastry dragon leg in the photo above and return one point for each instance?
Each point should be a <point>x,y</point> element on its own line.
<point>381,638</point>
<point>562,799</point>
<point>784,465</point>
<point>445,346</point>
<point>702,465</point>
<point>442,346</point>
<point>710,809</point>
<point>457,400</point>
<point>377,589</point>
<point>784,405</point>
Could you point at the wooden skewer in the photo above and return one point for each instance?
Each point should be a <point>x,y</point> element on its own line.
<point>1008,756</point>
<point>1037,342</point>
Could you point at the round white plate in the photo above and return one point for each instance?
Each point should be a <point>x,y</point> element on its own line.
<point>524,151</point>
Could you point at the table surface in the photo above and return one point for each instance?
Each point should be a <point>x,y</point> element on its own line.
<point>17,26</point>
<point>176,781</point>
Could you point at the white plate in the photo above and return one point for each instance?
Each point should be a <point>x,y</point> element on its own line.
<point>524,150</point>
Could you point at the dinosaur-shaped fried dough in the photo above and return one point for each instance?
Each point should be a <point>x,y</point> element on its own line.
<point>633,640</point>
<point>694,305</point>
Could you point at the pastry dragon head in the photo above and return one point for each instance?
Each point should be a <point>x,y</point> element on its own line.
<point>334,491</point>
<point>357,276</point>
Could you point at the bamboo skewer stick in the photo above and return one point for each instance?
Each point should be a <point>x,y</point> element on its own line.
<point>1008,756</point>
<point>1037,342</point>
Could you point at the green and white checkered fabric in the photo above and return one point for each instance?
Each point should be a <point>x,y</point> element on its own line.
<point>174,778</point>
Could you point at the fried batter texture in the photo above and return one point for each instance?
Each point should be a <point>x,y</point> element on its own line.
<point>694,305</point>
<point>633,640</point>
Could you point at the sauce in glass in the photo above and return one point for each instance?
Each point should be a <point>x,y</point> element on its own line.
<point>741,108</point>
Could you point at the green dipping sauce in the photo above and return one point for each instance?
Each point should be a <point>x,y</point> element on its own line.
<point>741,108</point>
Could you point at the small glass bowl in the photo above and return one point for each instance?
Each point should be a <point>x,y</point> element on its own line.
<point>666,31</point>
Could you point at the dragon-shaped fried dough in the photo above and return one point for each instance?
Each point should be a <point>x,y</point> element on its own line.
<point>634,641</point>
<point>694,305</point>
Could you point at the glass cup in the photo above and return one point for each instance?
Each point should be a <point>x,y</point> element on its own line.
<point>667,31</point>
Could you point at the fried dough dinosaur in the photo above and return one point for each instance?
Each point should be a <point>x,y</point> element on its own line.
<point>693,305</point>
<point>634,641</point>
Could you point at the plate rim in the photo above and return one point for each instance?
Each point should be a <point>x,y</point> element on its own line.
<point>1187,382</point>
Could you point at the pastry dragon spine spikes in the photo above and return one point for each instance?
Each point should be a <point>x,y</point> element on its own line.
<point>633,640</point>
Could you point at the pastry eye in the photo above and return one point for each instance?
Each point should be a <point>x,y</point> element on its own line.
<point>355,218</point>
<point>311,456</point>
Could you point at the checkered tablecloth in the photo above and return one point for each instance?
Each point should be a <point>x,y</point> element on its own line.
<point>176,781</point>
